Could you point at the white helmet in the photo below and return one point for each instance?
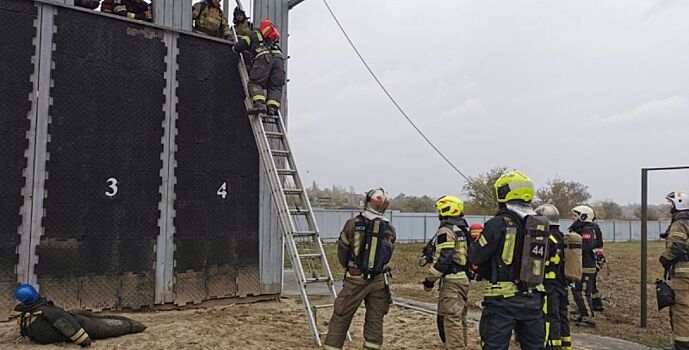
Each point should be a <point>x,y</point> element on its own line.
<point>679,200</point>
<point>550,212</point>
<point>377,201</point>
<point>583,213</point>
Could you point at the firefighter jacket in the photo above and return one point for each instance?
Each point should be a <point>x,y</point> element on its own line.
<point>555,265</point>
<point>45,323</point>
<point>353,244</point>
<point>210,20</point>
<point>498,255</point>
<point>599,236</point>
<point>588,242</point>
<point>255,43</point>
<point>131,9</point>
<point>678,232</point>
<point>451,250</point>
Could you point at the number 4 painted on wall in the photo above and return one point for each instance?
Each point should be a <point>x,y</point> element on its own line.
<point>222,191</point>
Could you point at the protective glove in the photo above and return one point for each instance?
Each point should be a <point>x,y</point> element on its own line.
<point>667,264</point>
<point>428,285</point>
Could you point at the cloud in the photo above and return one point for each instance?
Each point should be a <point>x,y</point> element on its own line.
<point>675,108</point>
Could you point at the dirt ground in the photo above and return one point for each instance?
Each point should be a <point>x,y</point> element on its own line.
<point>263,325</point>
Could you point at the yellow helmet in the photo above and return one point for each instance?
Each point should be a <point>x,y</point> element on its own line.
<point>449,206</point>
<point>514,185</point>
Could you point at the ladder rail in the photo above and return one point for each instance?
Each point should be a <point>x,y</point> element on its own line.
<point>287,221</point>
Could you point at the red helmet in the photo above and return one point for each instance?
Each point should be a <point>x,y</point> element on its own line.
<point>475,230</point>
<point>267,29</point>
<point>377,201</point>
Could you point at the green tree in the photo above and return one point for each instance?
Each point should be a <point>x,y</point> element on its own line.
<point>481,193</point>
<point>563,194</point>
<point>607,209</point>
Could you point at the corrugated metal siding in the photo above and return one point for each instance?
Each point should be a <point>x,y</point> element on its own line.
<point>421,226</point>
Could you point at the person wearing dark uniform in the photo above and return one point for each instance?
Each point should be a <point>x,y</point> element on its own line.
<point>556,317</point>
<point>208,18</point>
<point>364,249</point>
<point>675,259</point>
<point>583,225</point>
<point>44,323</point>
<point>243,27</point>
<point>268,68</point>
<point>134,9</point>
<point>451,267</point>
<point>513,298</point>
<point>596,296</point>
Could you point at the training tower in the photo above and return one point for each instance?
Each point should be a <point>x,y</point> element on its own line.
<point>130,175</point>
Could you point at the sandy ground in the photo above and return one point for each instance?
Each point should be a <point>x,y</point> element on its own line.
<point>263,325</point>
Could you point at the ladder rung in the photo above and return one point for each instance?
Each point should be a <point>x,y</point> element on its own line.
<point>310,256</point>
<point>279,152</point>
<point>286,172</point>
<point>265,116</point>
<point>293,190</point>
<point>324,306</point>
<point>317,280</point>
<point>298,211</point>
<point>304,234</point>
<point>274,135</point>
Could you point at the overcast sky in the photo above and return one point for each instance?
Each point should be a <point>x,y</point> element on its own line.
<point>590,90</point>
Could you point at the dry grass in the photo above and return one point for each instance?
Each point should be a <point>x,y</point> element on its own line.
<point>619,282</point>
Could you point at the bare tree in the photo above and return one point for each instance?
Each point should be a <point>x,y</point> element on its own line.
<point>563,194</point>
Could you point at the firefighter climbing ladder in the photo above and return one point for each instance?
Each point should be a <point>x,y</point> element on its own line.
<point>298,224</point>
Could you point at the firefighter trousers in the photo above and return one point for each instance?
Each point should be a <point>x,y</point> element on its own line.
<point>679,312</point>
<point>585,287</point>
<point>556,318</point>
<point>521,313</point>
<point>267,73</point>
<point>452,307</point>
<point>106,326</point>
<point>376,297</point>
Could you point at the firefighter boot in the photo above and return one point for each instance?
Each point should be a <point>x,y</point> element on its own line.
<point>272,110</point>
<point>258,108</point>
<point>597,304</point>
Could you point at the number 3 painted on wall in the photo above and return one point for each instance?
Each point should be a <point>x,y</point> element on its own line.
<point>112,187</point>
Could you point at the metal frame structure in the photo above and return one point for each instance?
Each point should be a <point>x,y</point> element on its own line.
<point>644,238</point>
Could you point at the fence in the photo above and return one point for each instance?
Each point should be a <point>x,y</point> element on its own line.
<point>413,227</point>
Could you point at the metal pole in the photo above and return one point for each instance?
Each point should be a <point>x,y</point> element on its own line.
<point>614,234</point>
<point>644,246</point>
<point>425,228</point>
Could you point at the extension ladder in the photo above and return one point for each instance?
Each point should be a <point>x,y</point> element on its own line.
<point>297,221</point>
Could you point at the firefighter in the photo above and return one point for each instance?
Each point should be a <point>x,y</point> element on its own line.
<point>364,249</point>
<point>268,69</point>
<point>134,9</point>
<point>44,323</point>
<point>583,225</point>
<point>513,298</point>
<point>208,18</point>
<point>596,296</point>
<point>556,318</point>
<point>675,259</point>
<point>242,26</point>
<point>452,269</point>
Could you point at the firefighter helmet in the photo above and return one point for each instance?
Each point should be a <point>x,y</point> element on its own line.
<point>26,294</point>
<point>550,212</point>
<point>679,200</point>
<point>238,11</point>
<point>377,201</point>
<point>449,206</point>
<point>583,213</point>
<point>514,185</point>
<point>268,30</point>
